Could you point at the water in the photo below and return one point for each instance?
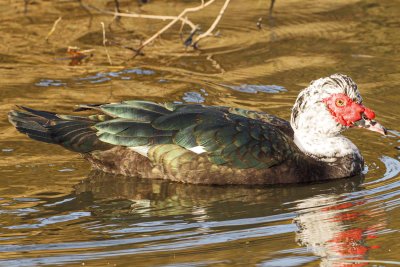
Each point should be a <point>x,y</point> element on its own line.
<point>55,211</point>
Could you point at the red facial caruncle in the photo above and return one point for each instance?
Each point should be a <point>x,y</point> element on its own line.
<point>345,110</point>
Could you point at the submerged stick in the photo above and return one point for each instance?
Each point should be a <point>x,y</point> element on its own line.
<point>53,28</point>
<point>215,63</point>
<point>26,6</point>
<point>104,43</point>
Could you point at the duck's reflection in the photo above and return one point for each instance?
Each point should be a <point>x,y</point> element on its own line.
<point>336,230</point>
<point>331,227</point>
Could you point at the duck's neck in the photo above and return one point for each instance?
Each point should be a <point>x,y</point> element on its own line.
<point>326,148</point>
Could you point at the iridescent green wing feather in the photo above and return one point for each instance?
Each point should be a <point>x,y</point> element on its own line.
<point>281,124</point>
<point>131,124</point>
<point>228,137</point>
<point>232,137</point>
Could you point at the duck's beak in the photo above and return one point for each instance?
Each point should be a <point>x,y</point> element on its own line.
<point>371,125</point>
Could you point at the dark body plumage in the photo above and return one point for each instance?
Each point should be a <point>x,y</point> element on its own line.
<point>241,146</point>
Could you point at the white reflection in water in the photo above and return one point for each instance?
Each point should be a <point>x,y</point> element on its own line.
<point>335,231</point>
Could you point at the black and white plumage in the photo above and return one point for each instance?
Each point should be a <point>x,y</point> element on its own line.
<point>215,145</point>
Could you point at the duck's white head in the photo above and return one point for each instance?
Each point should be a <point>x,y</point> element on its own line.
<point>331,105</point>
<point>324,109</point>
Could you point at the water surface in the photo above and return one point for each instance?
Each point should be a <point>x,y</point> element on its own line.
<point>55,211</point>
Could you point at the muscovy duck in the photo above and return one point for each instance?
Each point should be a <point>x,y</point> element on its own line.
<point>201,144</point>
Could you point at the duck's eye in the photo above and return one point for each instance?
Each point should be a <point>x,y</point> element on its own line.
<point>340,102</point>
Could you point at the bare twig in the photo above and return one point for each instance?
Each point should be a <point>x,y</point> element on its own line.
<point>117,9</point>
<point>87,11</point>
<point>212,27</point>
<point>179,17</point>
<point>271,7</point>
<point>144,16</point>
<point>181,28</point>
<point>104,43</point>
<point>174,19</point>
<point>53,28</point>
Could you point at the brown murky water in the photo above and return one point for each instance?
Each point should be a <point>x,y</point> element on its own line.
<point>55,211</point>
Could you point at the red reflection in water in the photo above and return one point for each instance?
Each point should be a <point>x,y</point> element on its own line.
<point>337,232</point>
<point>351,244</point>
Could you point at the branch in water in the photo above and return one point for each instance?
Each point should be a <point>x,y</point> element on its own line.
<point>212,27</point>
<point>104,43</point>
<point>191,40</point>
<point>179,17</point>
<point>53,28</point>
<point>144,16</point>
<point>271,7</point>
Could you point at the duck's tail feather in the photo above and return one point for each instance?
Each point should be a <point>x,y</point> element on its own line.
<point>73,133</point>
